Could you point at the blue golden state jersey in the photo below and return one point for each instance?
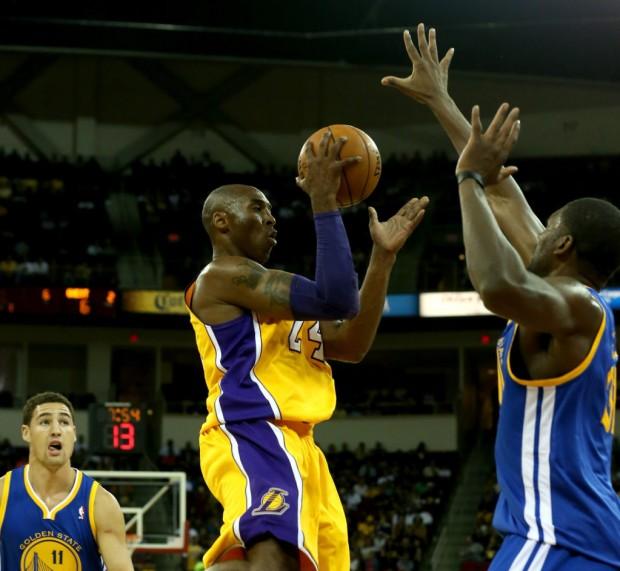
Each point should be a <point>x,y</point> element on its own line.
<point>264,369</point>
<point>553,451</point>
<point>34,537</point>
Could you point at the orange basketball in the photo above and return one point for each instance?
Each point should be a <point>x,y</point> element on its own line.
<point>358,180</point>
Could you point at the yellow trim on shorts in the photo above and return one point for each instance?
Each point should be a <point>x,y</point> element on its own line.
<point>4,500</point>
<point>91,509</point>
<point>566,377</point>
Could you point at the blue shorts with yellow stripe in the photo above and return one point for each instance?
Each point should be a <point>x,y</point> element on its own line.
<point>520,554</point>
<point>272,479</point>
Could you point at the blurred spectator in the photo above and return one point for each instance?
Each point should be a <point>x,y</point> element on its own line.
<point>195,551</point>
<point>72,227</point>
<point>391,526</point>
<point>483,543</point>
<point>80,451</point>
<point>6,451</point>
<point>8,270</point>
<point>167,455</point>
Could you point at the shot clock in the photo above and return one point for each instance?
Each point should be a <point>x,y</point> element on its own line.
<point>119,427</point>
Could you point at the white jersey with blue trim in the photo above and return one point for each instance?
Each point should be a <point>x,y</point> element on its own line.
<point>553,450</point>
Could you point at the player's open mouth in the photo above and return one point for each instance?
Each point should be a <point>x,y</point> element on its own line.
<point>55,447</point>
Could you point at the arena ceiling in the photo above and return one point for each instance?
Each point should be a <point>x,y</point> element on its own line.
<point>554,38</point>
<point>276,66</point>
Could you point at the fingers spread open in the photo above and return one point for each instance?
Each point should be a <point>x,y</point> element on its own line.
<point>372,215</point>
<point>506,130</point>
<point>411,209</point>
<point>422,43</point>
<point>392,81</point>
<point>345,162</point>
<point>325,146</point>
<point>505,172</point>
<point>412,51</point>
<point>432,44</point>
<point>334,150</point>
<point>418,218</point>
<point>447,60</point>
<point>309,150</point>
<point>514,132</point>
<point>407,209</point>
<point>498,120</point>
<point>476,125</point>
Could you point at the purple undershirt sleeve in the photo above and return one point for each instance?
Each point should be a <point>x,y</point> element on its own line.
<point>334,293</point>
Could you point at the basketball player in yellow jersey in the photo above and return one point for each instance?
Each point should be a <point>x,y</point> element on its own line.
<point>53,516</point>
<point>264,337</point>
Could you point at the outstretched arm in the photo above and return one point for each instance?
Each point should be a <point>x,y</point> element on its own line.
<point>350,340</point>
<point>110,538</point>
<point>428,84</point>
<point>554,305</point>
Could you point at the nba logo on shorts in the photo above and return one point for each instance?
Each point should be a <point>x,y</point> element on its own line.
<point>273,502</point>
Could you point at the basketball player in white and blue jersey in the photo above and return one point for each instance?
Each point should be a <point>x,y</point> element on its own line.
<point>53,516</point>
<point>557,356</point>
<point>557,367</point>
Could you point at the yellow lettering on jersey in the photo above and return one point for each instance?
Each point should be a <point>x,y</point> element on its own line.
<point>609,415</point>
<point>46,552</point>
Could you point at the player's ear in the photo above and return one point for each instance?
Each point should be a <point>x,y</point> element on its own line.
<point>220,221</point>
<point>25,433</point>
<point>564,244</point>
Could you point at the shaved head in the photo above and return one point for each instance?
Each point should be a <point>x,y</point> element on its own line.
<point>239,222</point>
<point>223,199</point>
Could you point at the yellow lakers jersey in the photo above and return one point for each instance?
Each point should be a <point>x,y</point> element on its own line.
<point>258,368</point>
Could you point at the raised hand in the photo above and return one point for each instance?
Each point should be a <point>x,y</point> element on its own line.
<point>392,234</point>
<point>323,171</point>
<point>429,75</point>
<point>485,153</point>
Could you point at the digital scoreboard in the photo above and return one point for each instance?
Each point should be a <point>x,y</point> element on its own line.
<point>119,427</point>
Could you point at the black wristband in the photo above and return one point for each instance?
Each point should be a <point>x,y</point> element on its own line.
<point>464,175</point>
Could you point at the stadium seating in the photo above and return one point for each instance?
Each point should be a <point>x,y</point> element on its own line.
<point>56,229</point>
<point>484,541</point>
<point>394,501</point>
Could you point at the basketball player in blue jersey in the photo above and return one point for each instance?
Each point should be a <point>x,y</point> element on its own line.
<point>53,516</point>
<point>557,356</point>
<point>264,338</point>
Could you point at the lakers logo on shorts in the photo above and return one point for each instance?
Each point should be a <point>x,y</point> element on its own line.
<point>273,502</point>
<point>47,553</point>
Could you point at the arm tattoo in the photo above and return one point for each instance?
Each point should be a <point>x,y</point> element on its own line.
<point>251,275</point>
<point>277,287</point>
